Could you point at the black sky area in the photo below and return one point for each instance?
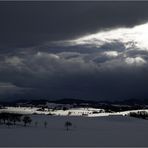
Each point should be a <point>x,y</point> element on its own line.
<point>31,23</point>
<point>31,66</point>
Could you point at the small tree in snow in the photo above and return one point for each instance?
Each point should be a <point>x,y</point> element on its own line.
<point>4,117</point>
<point>15,118</point>
<point>36,123</point>
<point>9,123</point>
<point>45,124</point>
<point>27,120</point>
<point>67,125</point>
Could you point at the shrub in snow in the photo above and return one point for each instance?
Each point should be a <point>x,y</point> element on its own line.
<point>95,112</point>
<point>69,113</point>
<point>50,114</point>
<point>12,117</point>
<point>139,114</point>
<point>67,125</point>
<point>36,123</point>
<point>4,117</point>
<point>45,124</point>
<point>9,123</point>
<point>15,118</point>
<point>27,120</point>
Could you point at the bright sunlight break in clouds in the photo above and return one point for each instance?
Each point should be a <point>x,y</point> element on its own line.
<point>136,36</point>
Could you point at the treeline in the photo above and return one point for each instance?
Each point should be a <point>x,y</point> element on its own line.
<point>10,119</point>
<point>139,114</point>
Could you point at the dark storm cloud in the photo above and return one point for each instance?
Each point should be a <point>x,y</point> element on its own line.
<point>26,24</point>
<point>35,62</point>
<point>69,74</point>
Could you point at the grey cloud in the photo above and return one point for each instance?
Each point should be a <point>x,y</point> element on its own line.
<point>25,24</point>
<point>72,74</point>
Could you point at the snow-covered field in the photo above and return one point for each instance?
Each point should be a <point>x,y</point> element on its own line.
<point>71,111</point>
<point>90,127</point>
<point>89,112</point>
<point>99,131</point>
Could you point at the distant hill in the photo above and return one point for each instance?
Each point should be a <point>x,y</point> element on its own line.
<point>130,102</point>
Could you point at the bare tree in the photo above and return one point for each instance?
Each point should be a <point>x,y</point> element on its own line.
<point>4,117</point>
<point>36,123</point>
<point>45,124</point>
<point>15,118</point>
<point>67,125</point>
<point>27,120</point>
<point>9,123</point>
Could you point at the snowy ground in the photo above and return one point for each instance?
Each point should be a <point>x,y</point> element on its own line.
<point>99,131</point>
<point>34,110</point>
<point>89,112</point>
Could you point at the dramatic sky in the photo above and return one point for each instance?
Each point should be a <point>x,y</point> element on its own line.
<point>85,50</point>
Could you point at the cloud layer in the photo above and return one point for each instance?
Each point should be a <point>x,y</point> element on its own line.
<point>111,70</point>
<point>87,50</point>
